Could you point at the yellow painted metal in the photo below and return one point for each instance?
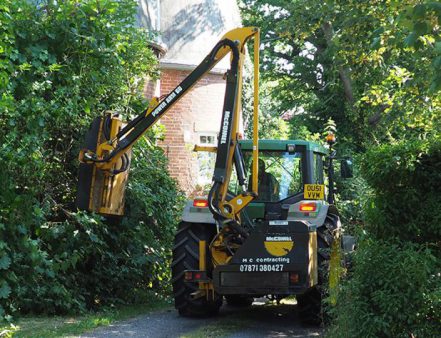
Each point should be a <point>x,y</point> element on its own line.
<point>107,191</point>
<point>218,251</point>
<point>114,185</point>
<point>232,208</point>
<point>202,255</point>
<point>240,36</point>
<point>234,131</point>
<point>255,168</point>
<point>205,148</point>
<point>202,259</point>
<point>205,289</point>
<point>106,147</point>
<point>154,102</point>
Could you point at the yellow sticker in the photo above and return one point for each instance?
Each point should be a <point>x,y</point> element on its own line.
<point>278,245</point>
<point>314,192</point>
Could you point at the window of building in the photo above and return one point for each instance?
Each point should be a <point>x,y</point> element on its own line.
<point>207,139</point>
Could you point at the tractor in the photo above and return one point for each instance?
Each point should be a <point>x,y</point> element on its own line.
<point>288,241</point>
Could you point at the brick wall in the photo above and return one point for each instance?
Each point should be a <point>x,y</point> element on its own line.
<point>198,112</point>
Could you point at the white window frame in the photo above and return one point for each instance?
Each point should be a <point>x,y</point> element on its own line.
<point>207,134</point>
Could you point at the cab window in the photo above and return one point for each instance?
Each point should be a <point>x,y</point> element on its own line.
<point>280,175</point>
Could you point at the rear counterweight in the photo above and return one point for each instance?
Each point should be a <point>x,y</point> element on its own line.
<point>279,257</point>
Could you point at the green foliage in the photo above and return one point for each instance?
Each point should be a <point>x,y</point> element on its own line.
<point>406,179</point>
<point>271,124</point>
<point>62,64</point>
<point>394,292</point>
<point>351,198</point>
<point>395,285</point>
<point>154,205</point>
<point>350,61</point>
<point>373,67</point>
<point>422,21</point>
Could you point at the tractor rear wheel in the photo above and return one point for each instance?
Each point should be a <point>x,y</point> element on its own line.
<point>309,304</point>
<point>186,257</point>
<point>239,300</point>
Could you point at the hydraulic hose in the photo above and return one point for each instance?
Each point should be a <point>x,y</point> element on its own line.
<point>213,209</point>
<point>218,215</point>
<point>125,162</point>
<point>106,127</point>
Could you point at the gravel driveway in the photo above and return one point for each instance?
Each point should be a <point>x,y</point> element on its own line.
<point>259,320</point>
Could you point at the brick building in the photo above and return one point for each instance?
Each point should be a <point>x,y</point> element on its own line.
<point>187,30</point>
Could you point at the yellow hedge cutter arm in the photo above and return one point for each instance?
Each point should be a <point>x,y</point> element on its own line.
<point>106,159</point>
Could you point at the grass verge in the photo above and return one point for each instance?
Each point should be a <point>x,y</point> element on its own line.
<point>69,326</point>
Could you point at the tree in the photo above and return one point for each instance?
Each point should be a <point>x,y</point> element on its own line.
<point>374,68</point>
<point>62,64</point>
<point>364,64</point>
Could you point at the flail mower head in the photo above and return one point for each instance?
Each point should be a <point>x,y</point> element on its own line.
<point>102,184</point>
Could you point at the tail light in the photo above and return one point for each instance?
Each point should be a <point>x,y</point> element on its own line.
<point>195,276</point>
<point>200,203</point>
<point>308,206</point>
<point>293,278</point>
<point>188,275</point>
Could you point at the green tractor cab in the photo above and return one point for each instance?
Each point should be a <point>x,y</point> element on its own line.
<point>285,168</point>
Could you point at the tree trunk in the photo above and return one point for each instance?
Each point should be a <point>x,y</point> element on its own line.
<point>343,71</point>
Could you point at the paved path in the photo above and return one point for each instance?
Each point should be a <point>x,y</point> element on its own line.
<point>256,321</point>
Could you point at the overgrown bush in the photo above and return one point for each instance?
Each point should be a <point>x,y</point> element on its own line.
<point>62,63</point>
<point>406,178</point>
<point>395,285</point>
<point>351,197</point>
<point>395,291</point>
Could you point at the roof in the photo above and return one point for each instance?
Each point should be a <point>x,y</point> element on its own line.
<point>189,28</point>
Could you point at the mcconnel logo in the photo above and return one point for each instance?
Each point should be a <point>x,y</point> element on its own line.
<point>278,245</point>
<point>225,125</point>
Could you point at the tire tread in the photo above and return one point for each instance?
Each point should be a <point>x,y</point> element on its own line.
<point>186,257</point>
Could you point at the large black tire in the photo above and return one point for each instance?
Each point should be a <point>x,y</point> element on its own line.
<point>239,300</point>
<point>186,257</point>
<point>309,304</point>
